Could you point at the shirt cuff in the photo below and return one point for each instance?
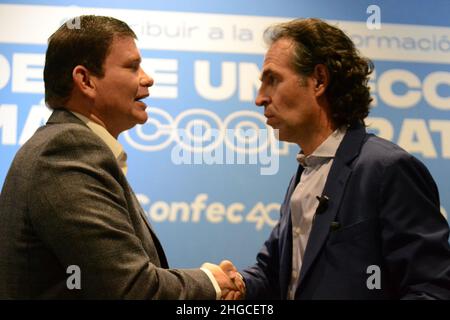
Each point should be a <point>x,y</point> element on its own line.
<point>214,283</point>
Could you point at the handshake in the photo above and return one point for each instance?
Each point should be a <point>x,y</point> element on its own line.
<point>230,281</point>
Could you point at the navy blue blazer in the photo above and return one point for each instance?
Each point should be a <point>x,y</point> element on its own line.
<point>383,210</point>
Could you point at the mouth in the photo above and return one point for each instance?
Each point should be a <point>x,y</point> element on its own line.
<point>270,119</point>
<point>139,99</point>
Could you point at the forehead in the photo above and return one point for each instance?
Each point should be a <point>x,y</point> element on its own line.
<point>280,54</point>
<point>123,48</point>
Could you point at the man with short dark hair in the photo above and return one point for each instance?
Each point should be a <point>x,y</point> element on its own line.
<point>66,204</point>
<point>361,218</point>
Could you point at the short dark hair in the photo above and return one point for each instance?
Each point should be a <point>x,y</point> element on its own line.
<point>86,43</point>
<point>317,42</point>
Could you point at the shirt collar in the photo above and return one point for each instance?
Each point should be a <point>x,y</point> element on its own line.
<point>325,151</point>
<point>107,138</point>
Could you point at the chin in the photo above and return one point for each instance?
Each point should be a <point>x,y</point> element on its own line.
<point>142,120</point>
<point>140,117</point>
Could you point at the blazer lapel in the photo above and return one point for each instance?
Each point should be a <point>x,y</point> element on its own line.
<point>161,255</point>
<point>65,116</point>
<point>334,189</point>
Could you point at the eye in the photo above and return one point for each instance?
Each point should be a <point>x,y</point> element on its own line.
<point>271,79</point>
<point>134,66</point>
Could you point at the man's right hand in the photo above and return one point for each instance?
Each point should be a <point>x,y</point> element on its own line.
<point>229,268</point>
<point>227,285</point>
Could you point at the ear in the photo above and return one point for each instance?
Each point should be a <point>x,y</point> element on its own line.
<point>321,79</point>
<point>83,81</point>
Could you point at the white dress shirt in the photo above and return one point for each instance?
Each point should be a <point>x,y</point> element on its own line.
<point>303,201</point>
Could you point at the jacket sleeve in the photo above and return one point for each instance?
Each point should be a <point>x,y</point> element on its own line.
<point>262,280</point>
<point>414,232</point>
<point>80,211</point>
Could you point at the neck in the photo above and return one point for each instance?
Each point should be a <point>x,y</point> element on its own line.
<point>315,140</point>
<point>99,121</point>
<point>93,117</point>
<point>315,135</point>
<point>318,129</point>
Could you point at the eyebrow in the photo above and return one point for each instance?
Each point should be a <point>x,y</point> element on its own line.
<point>135,60</point>
<point>265,73</point>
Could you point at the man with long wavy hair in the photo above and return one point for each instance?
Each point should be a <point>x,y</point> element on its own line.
<point>361,218</point>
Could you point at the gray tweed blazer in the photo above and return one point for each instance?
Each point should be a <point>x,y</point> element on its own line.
<point>64,202</point>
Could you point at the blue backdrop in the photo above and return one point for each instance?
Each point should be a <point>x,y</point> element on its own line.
<point>212,198</point>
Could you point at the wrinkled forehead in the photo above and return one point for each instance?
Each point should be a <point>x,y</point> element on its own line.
<point>280,53</point>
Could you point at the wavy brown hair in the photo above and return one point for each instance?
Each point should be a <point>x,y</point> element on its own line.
<point>317,42</point>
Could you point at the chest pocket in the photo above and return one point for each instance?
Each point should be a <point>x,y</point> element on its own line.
<point>362,229</point>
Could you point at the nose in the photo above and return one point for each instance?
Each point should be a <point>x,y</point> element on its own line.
<point>262,99</point>
<point>145,80</point>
